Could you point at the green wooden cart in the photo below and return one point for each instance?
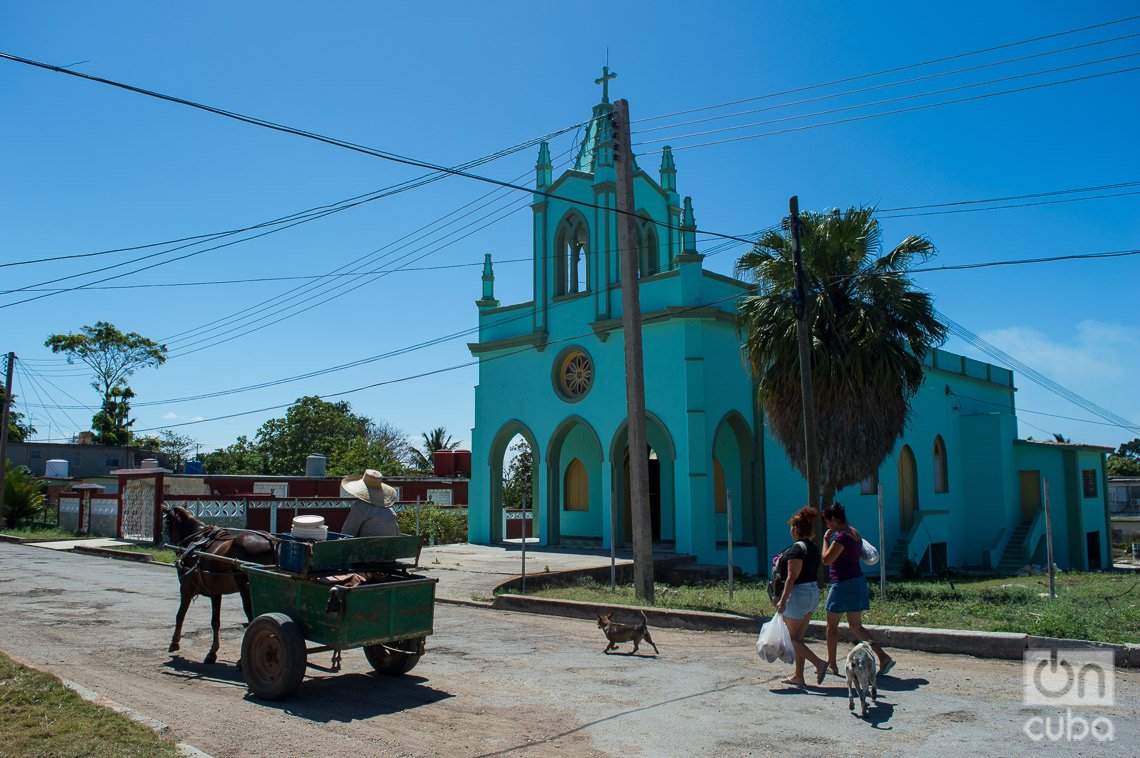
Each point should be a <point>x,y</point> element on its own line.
<point>300,600</point>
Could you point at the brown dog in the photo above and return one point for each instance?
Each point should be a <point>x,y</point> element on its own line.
<point>616,633</point>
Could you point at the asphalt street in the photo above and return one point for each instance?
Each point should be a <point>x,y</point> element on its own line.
<point>496,683</point>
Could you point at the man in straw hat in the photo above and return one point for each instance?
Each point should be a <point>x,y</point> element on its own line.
<point>372,514</point>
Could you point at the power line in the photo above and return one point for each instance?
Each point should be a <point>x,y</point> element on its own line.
<point>898,111</point>
<point>383,154</point>
<point>901,98</point>
<point>889,85</point>
<point>1074,190</point>
<point>894,70</point>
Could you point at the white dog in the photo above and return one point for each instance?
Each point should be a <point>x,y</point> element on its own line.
<point>861,666</point>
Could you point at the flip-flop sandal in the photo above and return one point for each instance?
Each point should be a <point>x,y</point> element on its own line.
<point>820,674</point>
<point>887,669</point>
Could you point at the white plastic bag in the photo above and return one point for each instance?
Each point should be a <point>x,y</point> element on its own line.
<point>870,555</point>
<point>775,642</point>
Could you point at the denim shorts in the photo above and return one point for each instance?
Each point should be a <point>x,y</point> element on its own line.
<point>848,595</point>
<point>802,601</point>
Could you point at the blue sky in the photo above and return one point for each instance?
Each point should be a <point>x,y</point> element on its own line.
<point>89,168</point>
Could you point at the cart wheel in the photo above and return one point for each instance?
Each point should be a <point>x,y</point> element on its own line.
<point>273,656</point>
<point>395,664</point>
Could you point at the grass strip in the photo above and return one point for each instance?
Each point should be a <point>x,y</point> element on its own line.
<point>1090,606</point>
<point>42,717</point>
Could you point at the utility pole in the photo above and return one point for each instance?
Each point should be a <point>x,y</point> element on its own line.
<point>799,300</point>
<point>4,430</point>
<point>634,367</point>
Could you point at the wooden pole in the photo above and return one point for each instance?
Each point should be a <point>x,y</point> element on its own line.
<point>4,431</point>
<point>634,367</point>
<point>799,299</point>
<point>728,498</point>
<point>882,549</point>
<point>1049,541</point>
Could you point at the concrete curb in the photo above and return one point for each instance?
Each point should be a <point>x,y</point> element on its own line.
<point>106,552</point>
<point>1000,645</point>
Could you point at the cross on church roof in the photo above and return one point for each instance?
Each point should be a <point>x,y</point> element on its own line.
<point>605,82</point>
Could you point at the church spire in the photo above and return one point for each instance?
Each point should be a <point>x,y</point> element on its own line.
<point>544,169</point>
<point>488,300</point>
<point>688,230</point>
<point>668,170</point>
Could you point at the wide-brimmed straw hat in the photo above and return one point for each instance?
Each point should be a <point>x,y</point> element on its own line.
<point>370,488</point>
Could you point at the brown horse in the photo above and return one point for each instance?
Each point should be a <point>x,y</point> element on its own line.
<point>199,575</point>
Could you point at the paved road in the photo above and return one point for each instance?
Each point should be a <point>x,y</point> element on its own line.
<point>496,683</point>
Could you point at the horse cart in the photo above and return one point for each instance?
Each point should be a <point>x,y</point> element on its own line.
<point>340,593</point>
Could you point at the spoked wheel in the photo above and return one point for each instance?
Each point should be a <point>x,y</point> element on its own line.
<point>273,656</point>
<point>395,663</point>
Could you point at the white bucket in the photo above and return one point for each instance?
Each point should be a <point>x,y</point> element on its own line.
<point>310,528</point>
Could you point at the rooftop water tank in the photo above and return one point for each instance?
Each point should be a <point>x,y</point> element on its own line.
<point>56,469</point>
<point>194,467</point>
<point>149,463</point>
<point>315,465</point>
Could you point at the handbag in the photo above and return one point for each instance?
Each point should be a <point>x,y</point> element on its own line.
<point>778,580</point>
<point>869,554</point>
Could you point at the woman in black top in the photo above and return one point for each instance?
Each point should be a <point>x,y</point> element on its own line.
<point>800,564</point>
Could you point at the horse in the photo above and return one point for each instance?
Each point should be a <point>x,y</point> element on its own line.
<point>199,575</point>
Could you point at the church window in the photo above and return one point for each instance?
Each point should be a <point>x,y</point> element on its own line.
<point>720,488</point>
<point>574,374</point>
<point>648,255</point>
<point>577,487</point>
<point>941,480</point>
<point>571,246</point>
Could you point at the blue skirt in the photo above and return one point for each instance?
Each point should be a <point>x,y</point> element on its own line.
<point>848,595</point>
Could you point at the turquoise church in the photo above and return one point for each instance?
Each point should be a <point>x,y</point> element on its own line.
<point>960,489</point>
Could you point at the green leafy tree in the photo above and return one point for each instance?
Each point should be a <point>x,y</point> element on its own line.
<point>377,451</point>
<point>437,439</point>
<point>177,446</point>
<point>23,495</point>
<point>518,487</point>
<point>351,443</point>
<point>112,424</point>
<point>1126,460</point>
<point>113,357</point>
<point>18,430</point>
<point>242,457</point>
<point>870,330</point>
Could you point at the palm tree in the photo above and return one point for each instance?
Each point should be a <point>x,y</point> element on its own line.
<point>870,330</point>
<point>436,439</point>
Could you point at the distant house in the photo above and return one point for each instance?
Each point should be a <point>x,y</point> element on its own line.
<point>1124,508</point>
<point>131,508</point>
<point>83,460</point>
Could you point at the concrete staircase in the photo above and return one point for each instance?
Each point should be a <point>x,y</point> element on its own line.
<point>1013,557</point>
<point>897,558</point>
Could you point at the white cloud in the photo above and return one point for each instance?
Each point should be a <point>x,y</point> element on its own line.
<point>1099,355</point>
<point>174,417</point>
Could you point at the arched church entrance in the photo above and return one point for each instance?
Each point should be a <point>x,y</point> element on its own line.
<point>574,483</point>
<point>733,471</point>
<point>908,488</point>
<point>513,463</point>
<point>660,455</point>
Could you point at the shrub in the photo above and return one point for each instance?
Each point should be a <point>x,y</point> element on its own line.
<point>23,496</point>
<point>441,526</point>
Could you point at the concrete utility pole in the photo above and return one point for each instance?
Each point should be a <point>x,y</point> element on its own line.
<point>799,299</point>
<point>4,430</point>
<point>634,367</point>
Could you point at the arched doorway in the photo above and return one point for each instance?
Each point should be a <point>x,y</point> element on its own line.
<point>660,455</point>
<point>505,449</point>
<point>574,483</point>
<point>732,470</point>
<point>908,488</point>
